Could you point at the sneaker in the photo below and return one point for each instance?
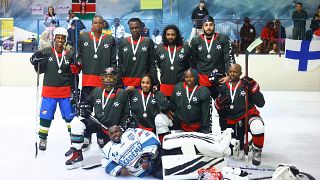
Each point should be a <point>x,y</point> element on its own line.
<point>86,144</point>
<point>256,156</point>
<point>76,160</point>
<point>42,144</point>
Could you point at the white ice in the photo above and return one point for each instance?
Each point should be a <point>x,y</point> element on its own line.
<point>292,133</point>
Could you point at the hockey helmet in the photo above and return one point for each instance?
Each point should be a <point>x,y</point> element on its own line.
<point>110,71</point>
<point>107,81</point>
<point>61,31</point>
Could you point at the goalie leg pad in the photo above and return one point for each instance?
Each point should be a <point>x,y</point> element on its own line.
<point>77,133</point>
<point>256,125</point>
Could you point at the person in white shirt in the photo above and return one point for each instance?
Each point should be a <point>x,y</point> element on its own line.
<point>117,30</point>
<point>156,37</point>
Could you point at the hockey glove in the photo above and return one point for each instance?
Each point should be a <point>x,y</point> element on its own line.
<point>214,76</point>
<point>250,85</point>
<point>39,57</point>
<point>75,68</point>
<point>85,109</point>
<point>223,101</point>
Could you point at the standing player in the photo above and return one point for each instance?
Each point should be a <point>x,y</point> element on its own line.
<point>190,103</point>
<point>232,100</point>
<point>55,64</point>
<point>211,54</point>
<point>96,52</point>
<point>173,58</point>
<point>136,56</point>
<point>109,104</point>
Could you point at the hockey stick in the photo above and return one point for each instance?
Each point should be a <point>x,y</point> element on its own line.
<point>75,75</point>
<point>91,166</point>
<point>37,98</point>
<point>98,122</point>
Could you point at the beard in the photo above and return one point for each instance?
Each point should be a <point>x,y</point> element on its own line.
<point>208,34</point>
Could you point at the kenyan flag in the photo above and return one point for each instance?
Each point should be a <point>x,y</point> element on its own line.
<point>84,9</point>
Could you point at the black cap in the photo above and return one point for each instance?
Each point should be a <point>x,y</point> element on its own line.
<point>207,19</point>
<point>246,19</point>
<point>202,1</point>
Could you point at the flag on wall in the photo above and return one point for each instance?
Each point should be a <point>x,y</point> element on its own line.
<point>84,9</point>
<point>304,55</point>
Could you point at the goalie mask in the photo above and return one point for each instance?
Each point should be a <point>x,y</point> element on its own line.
<point>109,78</point>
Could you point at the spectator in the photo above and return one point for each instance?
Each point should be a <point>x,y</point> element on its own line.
<point>144,30</point>
<point>247,34</point>
<point>259,49</point>
<point>268,36</point>
<point>51,21</point>
<point>74,25</point>
<point>275,49</point>
<point>117,30</point>
<point>280,33</point>
<point>156,37</point>
<point>317,14</point>
<point>197,15</point>
<point>70,18</point>
<point>299,17</point>
<point>106,28</point>
<point>313,27</point>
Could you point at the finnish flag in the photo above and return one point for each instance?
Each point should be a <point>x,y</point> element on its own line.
<point>303,55</point>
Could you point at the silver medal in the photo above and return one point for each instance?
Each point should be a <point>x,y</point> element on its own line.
<point>189,106</point>
<point>95,56</point>
<point>59,71</point>
<point>172,68</point>
<point>134,58</point>
<point>208,56</point>
<point>231,106</point>
<point>144,115</point>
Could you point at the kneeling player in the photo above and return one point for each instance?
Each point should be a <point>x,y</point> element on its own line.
<point>108,103</point>
<point>130,153</point>
<point>232,101</point>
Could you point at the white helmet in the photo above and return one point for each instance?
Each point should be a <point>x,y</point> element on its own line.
<point>61,31</point>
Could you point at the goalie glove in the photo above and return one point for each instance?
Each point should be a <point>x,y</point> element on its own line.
<point>39,57</point>
<point>250,84</point>
<point>223,101</point>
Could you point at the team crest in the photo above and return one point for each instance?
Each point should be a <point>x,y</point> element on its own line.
<point>50,59</point>
<point>98,101</point>
<point>135,99</point>
<point>218,47</point>
<point>86,44</point>
<point>106,45</point>
<point>181,56</point>
<point>162,56</point>
<point>153,101</point>
<point>178,93</point>
<point>194,99</point>
<point>131,137</point>
<point>200,48</point>
<point>144,48</point>
<point>243,93</point>
<point>116,104</point>
<point>125,49</point>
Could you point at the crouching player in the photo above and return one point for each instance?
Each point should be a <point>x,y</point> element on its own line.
<point>130,153</point>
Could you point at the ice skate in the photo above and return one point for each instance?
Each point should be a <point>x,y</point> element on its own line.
<point>76,160</point>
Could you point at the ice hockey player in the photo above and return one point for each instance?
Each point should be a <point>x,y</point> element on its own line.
<point>130,153</point>
<point>108,103</point>
<point>232,100</point>
<point>54,62</point>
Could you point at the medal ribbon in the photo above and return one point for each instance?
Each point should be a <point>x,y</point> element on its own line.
<point>108,97</point>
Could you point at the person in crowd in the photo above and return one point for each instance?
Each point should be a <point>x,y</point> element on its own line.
<point>197,15</point>
<point>51,21</point>
<point>299,17</point>
<point>232,100</point>
<point>54,62</point>
<point>247,34</point>
<point>117,30</point>
<point>268,36</point>
<point>75,25</point>
<point>156,37</point>
<point>279,34</point>
<point>315,23</point>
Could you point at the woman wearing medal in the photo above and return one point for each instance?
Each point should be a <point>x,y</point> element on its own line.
<point>173,58</point>
<point>190,104</point>
<point>54,62</point>
<point>147,104</point>
<point>232,100</point>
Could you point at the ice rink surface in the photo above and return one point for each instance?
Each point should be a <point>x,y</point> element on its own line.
<point>292,133</point>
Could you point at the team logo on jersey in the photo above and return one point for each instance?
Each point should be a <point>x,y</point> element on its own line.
<point>131,137</point>
<point>50,59</point>
<point>153,101</point>
<point>98,101</point>
<point>135,99</point>
<point>116,104</point>
<point>106,45</point>
<point>44,112</point>
<point>178,93</point>
<point>218,47</point>
<point>162,56</point>
<point>242,93</point>
<point>195,99</point>
<point>181,56</point>
<point>144,48</point>
<point>66,61</point>
<point>125,49</point>
<point>86,43</point>
<point>114,154</point>
<point>200,48</point>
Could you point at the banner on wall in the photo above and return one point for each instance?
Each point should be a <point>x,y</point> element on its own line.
<point>84,9</point>
<point>64,9</point>
<point>37,9</point>
<point>151,4</point>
